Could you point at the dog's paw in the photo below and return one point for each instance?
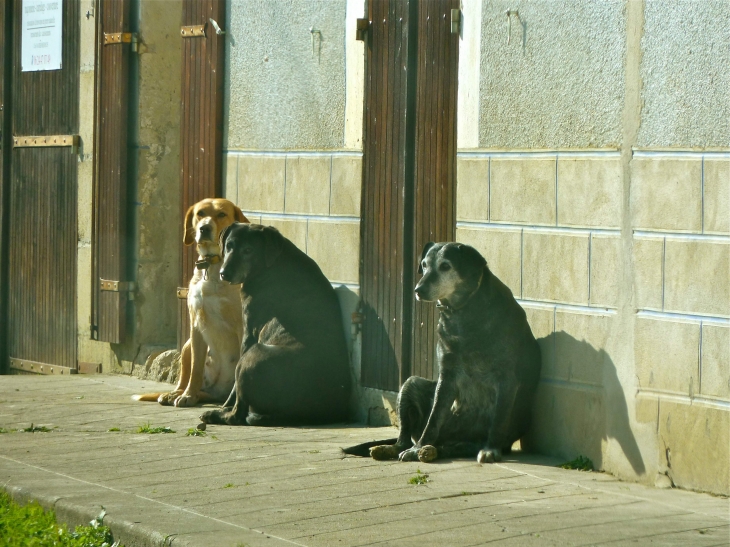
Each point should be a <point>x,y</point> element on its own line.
<point>213,416</point>
<point>384,452</point>
<point>428,453</point>
<point>410,455</point>
<point>186,400</point>
<point>489,455</point>
<point>168,399</point>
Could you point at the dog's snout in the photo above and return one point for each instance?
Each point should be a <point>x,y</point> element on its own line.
<point>419,292</point>
<point>206,229</point>
<point>224,274</point>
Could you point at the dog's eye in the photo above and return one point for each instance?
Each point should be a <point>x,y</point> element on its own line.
<point>445,267</point>
<point>423,264</point>
<point>221,214</point>
<point>201,213</point>
<point>248,250</point>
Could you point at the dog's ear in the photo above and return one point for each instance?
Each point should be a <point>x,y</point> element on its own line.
<point>239,216</point>
<point>425,250</point>
<point>189,233</point>
<point>273,241</point>
<point>471,256</point>
<point>222,237</point>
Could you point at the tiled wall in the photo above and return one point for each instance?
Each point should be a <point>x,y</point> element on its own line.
<point>313,198</point>
<point>629,297</point>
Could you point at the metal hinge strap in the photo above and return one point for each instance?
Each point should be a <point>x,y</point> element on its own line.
<point>116,286</point>
<point>111,38</point>
<point>46,141</point>
<point>39,368</point>
<point>193,31</point>
<point>182,293</point>
<point>362,27</point>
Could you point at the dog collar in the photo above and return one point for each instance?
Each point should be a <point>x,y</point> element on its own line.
<point>206,261</point>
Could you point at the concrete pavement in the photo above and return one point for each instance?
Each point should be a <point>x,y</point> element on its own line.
<point>292,486</point>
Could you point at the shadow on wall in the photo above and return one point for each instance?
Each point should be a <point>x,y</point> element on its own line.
<point>580,404</point>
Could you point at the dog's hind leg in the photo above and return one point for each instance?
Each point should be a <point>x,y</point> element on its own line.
<point>414,405</point>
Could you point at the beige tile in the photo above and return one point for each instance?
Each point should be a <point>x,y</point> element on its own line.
<point>261,183</point>
<point>606,270</point>
<point>647,409</point>
<point>648,254</point>
<point>666,355</point>
<point>294,230</point>
<point>346,185</point>
<point>335,246</point>
<point>715,374</point>
<point>308,184</point>
<point>580,346</point>
<point>523,190</point>
<point>697,277</point>
<point>541,322</point>
<point>666,194</point>
<point>589,192</point>
<point>472,189</point>
<point>697,439</point>
<point>555,267</point>
<point>501,248</point>
<point>253,218</point>
<point>717,196</point>
<point>230,183</point>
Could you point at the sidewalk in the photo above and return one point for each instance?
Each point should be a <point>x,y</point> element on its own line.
<point>273,486</point>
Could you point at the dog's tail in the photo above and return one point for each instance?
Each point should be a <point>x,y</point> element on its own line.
<point>364,448</point>
<point>148,397</point>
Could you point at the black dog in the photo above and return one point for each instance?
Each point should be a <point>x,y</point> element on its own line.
<point>489,366</point>
<point>294,365</point>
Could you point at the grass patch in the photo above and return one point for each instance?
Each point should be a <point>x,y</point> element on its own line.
<point>419,478</point>
<point>111,429</point>
<point>31,526</point>
<point>3,430</point>
<point>581,463</point>
<point>36,429</point>
<point>147,428</point>
<point>192,432</point>
<point>229,485</point>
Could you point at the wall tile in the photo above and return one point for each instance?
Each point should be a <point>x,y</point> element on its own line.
<point>501,248</point>
<point>308,185</point>
<point>697,277</point>
<point>666,355</point>
<point>261,183</point>
<point>589,192</point>
<point>472,189</point>
<point>346,185</point>
<point>555,267</point>
<point>648,255</point>
<point>717,196</point>
<point>715,380</point>
<point>542,325</point>
<point>606,270</point>
<point>335,246</point>
<point>580,346</point>
<point>294,230</point>
<point>666,194</point>
<point>230,184</point>
<point>523,190</point>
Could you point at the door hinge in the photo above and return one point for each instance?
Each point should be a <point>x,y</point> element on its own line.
<point>182,293</point>
<point>193,31</point>
<point>362,27</point>
<point>456,21</point>
<point>110,285</point>
<point>111,38</point>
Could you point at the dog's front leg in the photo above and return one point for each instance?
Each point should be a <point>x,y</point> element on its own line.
<point>501,426</point>
<point>199,351</point>
<point>444,397</point>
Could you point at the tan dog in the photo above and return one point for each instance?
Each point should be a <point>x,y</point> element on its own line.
<point>209,357</point>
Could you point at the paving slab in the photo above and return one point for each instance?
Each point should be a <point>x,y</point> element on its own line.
<point>292,486</point>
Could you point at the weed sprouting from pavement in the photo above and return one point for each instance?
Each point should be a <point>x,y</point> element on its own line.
<point>37,429</point>
<point>111,429</point>
<point>419,478</point>
<point>581,463</point>
<point>147,428</point>
<point>229,485</point>
<point>192,432</point>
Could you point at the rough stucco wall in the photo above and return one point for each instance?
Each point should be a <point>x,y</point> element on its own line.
<point>685,60</point>
<point>564,86</point>
<point>280,95</point>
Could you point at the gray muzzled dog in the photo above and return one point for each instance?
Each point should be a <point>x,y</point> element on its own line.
<point>489,366</point>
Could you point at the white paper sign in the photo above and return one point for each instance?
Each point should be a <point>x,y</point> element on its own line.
<point>42,34</point>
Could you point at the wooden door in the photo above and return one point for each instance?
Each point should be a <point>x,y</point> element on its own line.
<point>40,227</point>
<point>409,179</point>
<point>201,127</point>
<point>6,22</point>
<point>110,245</point>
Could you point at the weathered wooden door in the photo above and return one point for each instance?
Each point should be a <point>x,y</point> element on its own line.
<point>110,243</point>
<point>5,149</point>
<point>201,127</point>
<point>409,179</point>
<point>39,226</point>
